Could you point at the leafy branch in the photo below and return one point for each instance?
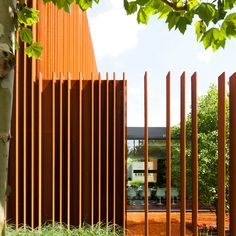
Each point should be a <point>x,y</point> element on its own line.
<point>174,6</point>
<point>214,22</point>
<point>26,17</point>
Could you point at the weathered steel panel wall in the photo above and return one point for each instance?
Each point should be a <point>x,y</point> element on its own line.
<point>62,179</point>
<point>67,42</point>
<point>67,48</point>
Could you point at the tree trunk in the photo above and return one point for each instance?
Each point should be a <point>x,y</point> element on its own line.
<point>7,51</point>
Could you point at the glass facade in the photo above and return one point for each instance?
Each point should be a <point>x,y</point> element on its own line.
<point>156,172</point>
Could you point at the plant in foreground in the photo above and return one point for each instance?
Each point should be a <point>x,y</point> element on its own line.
<point>62,230</point>
<point>204,230</point>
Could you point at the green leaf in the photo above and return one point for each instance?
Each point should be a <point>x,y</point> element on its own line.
<point>228,27</point>
<point>150,10</point>
<point>84,4</point>
<point>200,28</point>
<point>34,50</point>
<point>214,38</point>
<point>164,11</point>
<point>67,7</point>
<point>182,24</point>
<point>206,12</point>
<point>142,2</point>
<point>144,14</point>
<point>142,17</point>
<point>207,38</point>
<point>172,19</point>
<point>220,15</point>
<point>130,7</point>
<point>228,4</point>
<point>63,4</point>
<point>155,4</point>
<point>28,16</point>
<point>192,4</point>
<point>26,35</point>
<point>59,3</point>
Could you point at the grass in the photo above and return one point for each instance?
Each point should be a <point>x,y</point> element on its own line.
<point>62,230</point>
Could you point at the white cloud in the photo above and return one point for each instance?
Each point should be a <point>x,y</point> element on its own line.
<point>205,56</point>
<point>113,32</point>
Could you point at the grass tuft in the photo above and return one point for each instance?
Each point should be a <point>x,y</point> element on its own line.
<point>62,230</point>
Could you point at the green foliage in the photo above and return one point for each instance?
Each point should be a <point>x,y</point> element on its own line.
<point>34,50</point>
<point>214,38</point>
<point>84,4</point>
<point>62,230</point>
<point>206,12</point>
<point>26,35</point>
<point>130,7</point>
<point>26,17</point>
<point>66,4</point>
<point>208,147</point>
<point>200,29</point>
<point>228,27</point>
<point>214,22</point>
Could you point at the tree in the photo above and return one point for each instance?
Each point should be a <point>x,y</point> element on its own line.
<point>208,147</point>
<point>7,42</point>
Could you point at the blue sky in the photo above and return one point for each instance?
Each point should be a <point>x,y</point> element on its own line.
<point>121,45</point>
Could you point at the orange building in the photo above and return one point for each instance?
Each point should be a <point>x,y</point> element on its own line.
<point>66,41</point>
<point>67,154</point>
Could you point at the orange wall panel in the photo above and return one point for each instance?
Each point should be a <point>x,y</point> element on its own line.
<point>66,41</point>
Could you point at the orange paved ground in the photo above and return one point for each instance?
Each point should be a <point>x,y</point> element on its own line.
<point>135,222</point>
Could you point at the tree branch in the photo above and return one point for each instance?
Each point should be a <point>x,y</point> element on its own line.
<point>174,6</point>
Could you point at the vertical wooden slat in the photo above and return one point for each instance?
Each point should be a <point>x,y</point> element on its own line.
<point>73,47</point>
<point>55,40</point>
<point>168,157</point>
<point>92,149</point>
<point>124,154</point>
<point>194,155</point>
<point>80,148</point>
<point>146,151</point>
<point>99,147</point>
<point>61,154</point>
<point>114,150</point>
<point>107,150</point>
<point>33,74</point>
<point>24,143</point>
<point>53,147</point>
<point>221,154</point>
<point>232,160</point>
<point>182,158</point>
<point>40,152</point>
<point>17,137</point>
<point>50,40</point>
<point>66,41</point>
<point>68,150</point>
<point>32,149</point>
